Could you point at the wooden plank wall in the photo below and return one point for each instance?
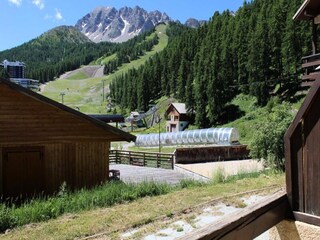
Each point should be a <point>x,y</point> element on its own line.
<point>79,165</point>
<point>295,169</point>
<point>82,164</point>
<point>302,159</point>
<point>60,160</point>
<point>24,119</point>
<point>311,159</point>
<point>92,164</point>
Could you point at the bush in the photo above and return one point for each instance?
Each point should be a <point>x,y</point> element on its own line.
<point>219,175</point>
<point>268,138</point>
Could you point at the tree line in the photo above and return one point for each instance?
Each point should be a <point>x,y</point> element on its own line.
<point>249,52</point>
<point>131,51</point>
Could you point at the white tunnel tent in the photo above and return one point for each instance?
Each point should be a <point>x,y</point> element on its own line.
<point>219,136</point>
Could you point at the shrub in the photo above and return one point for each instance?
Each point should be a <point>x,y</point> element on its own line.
<point>218,175</point>
<point>268,138</point>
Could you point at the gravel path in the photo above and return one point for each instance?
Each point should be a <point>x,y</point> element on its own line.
<point>136,174</point>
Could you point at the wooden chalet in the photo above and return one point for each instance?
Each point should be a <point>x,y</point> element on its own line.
<point>177,118</point>
<point>310,11</point>
<point>44,143</point>
<point>302,143</point>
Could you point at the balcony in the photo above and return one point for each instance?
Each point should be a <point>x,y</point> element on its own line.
<point>309,69</point>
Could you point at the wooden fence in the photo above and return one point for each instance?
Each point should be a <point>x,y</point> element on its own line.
<point>146,159</point>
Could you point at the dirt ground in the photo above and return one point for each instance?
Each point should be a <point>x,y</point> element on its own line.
<point>92,72</point>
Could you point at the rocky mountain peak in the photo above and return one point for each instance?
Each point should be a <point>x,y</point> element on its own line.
<point>110,24</point>
<point>194,23</point>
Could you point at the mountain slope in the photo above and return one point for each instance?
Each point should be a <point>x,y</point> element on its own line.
<point>65,34</point>
<point>112,25</point>
<point>86,94</point>
<point>56,51</point>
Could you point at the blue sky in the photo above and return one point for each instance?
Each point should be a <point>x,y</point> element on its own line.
<point>23,20</point>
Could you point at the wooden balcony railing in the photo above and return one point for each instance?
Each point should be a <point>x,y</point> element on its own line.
<point>309,69</point>
<point>246,224</point>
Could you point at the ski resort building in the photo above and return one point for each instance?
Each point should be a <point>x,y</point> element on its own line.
<point>14,69</point>
<point>16,72</point>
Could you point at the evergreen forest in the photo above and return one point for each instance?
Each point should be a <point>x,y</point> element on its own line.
<point>64,49</point>
<point>255,51</point>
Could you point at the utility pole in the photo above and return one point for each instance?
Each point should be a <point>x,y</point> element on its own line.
<point>159,121</point>
<point>62,95</point>
<point>103,89</point>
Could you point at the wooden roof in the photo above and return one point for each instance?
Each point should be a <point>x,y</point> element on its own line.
<point>180,108</point>
<point>304,107</point>
<point>82,121</point>
<point>108,118</point>
<point>309,10</point>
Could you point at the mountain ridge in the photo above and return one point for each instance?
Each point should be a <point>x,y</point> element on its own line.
<point>65,33</point>
<point>112,25</point>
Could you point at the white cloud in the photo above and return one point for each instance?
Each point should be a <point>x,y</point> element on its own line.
<point>15,2</point>
<point>58,15</point>
<point>38,3</point>
<point>47,16</point>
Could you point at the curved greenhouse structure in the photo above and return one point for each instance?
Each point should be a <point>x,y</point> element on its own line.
<point>220,136</point>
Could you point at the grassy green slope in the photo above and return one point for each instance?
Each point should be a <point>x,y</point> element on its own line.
<point>86,94</point>
<point>253,115</point>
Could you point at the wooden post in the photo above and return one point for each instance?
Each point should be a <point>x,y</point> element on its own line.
<point>144,159</point>
<point>314,37</point>
<point>158,162</point>
<point>1,172</point>
<point>117,157</point>
<point>172,161</point>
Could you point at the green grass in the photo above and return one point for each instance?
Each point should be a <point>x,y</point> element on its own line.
<point>86,94</point>
<point>253,115</point>
<point>43,209</point>
<point>78,76</point>
<point>104,60</point>
<point>119,218</point>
